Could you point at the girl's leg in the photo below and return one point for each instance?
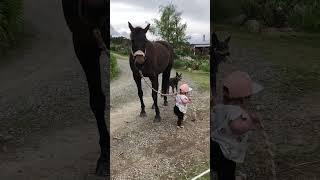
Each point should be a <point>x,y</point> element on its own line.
<point>180,118</point>
<point>176,110</point>
<point>180,115</point>
<point>225,168</point>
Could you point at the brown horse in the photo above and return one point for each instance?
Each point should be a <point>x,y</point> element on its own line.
<point>151,58</point>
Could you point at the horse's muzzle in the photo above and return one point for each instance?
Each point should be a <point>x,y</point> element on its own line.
<point>139,60</point>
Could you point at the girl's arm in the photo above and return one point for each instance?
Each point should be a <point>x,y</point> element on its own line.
<point>185,100</point>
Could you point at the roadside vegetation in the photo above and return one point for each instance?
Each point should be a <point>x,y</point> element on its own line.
<point>114,69</point>
<point>11,23</point>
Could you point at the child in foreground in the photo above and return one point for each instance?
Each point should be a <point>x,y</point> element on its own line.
<point>232,124</point>
<point>182,99</point>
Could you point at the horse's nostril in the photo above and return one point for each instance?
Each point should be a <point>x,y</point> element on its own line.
<point>137,65</point>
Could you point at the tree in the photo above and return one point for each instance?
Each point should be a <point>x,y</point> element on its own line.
<point>169,27</point>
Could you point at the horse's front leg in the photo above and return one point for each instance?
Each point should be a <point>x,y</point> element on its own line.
<point>137,79</point>
<point>88,55</point>
<point>155,85</point>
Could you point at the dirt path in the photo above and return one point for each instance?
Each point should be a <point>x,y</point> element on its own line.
<point>142,149</point>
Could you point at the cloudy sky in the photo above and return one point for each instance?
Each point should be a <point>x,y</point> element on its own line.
<point>196,13</point>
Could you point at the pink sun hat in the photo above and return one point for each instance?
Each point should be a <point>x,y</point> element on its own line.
<point>240,84</point>
<point>185,88</point>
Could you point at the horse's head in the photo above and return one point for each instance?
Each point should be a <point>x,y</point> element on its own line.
<point>220,48</point>
<point>138,44</point>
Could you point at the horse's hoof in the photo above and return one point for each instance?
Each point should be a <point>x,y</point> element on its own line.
<point>153,106</point>
<point>143,114</point>
<point>165,103</point>
<point>157,119</point>
<point>102,169</point>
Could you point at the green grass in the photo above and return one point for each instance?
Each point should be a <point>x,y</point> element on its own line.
<point>201,78</point>
<point>298,53</point>
<point>196,170</point>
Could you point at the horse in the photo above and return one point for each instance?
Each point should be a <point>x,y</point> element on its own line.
<point>151,59</point>
<point>82,18</point>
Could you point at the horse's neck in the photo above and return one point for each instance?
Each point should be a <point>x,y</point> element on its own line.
<point>149,45</point>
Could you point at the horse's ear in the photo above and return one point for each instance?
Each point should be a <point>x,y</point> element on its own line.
<point>146,28</point>
<point>130,26</point>
<point>228,39</point>
<point>177,74</point>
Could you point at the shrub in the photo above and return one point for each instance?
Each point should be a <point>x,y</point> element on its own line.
<point>303,14</point>
<point>178,63</point>
<point>193,63</point>
<point>271,12</point>
<point>306,16</point>
<point>205,66</point>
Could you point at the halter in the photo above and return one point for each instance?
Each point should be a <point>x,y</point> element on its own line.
<point>139,53</point>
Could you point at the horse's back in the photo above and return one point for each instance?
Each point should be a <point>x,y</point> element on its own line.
<point>168,48</point>
<point>167,45</point>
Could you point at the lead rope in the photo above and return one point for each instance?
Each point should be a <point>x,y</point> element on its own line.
<point>172,94</point>
<point>269,149</point>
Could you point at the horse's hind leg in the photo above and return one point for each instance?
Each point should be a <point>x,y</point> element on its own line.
<point>165,83</point>
<point>88,54</point>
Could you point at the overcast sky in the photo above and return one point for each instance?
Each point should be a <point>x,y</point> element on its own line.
<point>196,13</point>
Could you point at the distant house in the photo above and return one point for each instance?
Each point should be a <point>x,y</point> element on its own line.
<point>201,48</point>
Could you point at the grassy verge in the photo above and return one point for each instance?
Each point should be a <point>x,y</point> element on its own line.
<point>196,170</point>
<point>296,53</point>
<point>119,55</point>
<point>201,78</point>
<point>114,69</point>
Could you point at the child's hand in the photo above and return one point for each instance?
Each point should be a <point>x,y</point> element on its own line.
<point>255,117</point>
<point>240,125</point>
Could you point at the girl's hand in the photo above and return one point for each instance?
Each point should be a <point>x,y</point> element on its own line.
<point>240,125</point>
<point>255,117</point>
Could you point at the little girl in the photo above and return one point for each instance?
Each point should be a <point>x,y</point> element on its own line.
<point>182,99</point>
<point>232,124</point>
